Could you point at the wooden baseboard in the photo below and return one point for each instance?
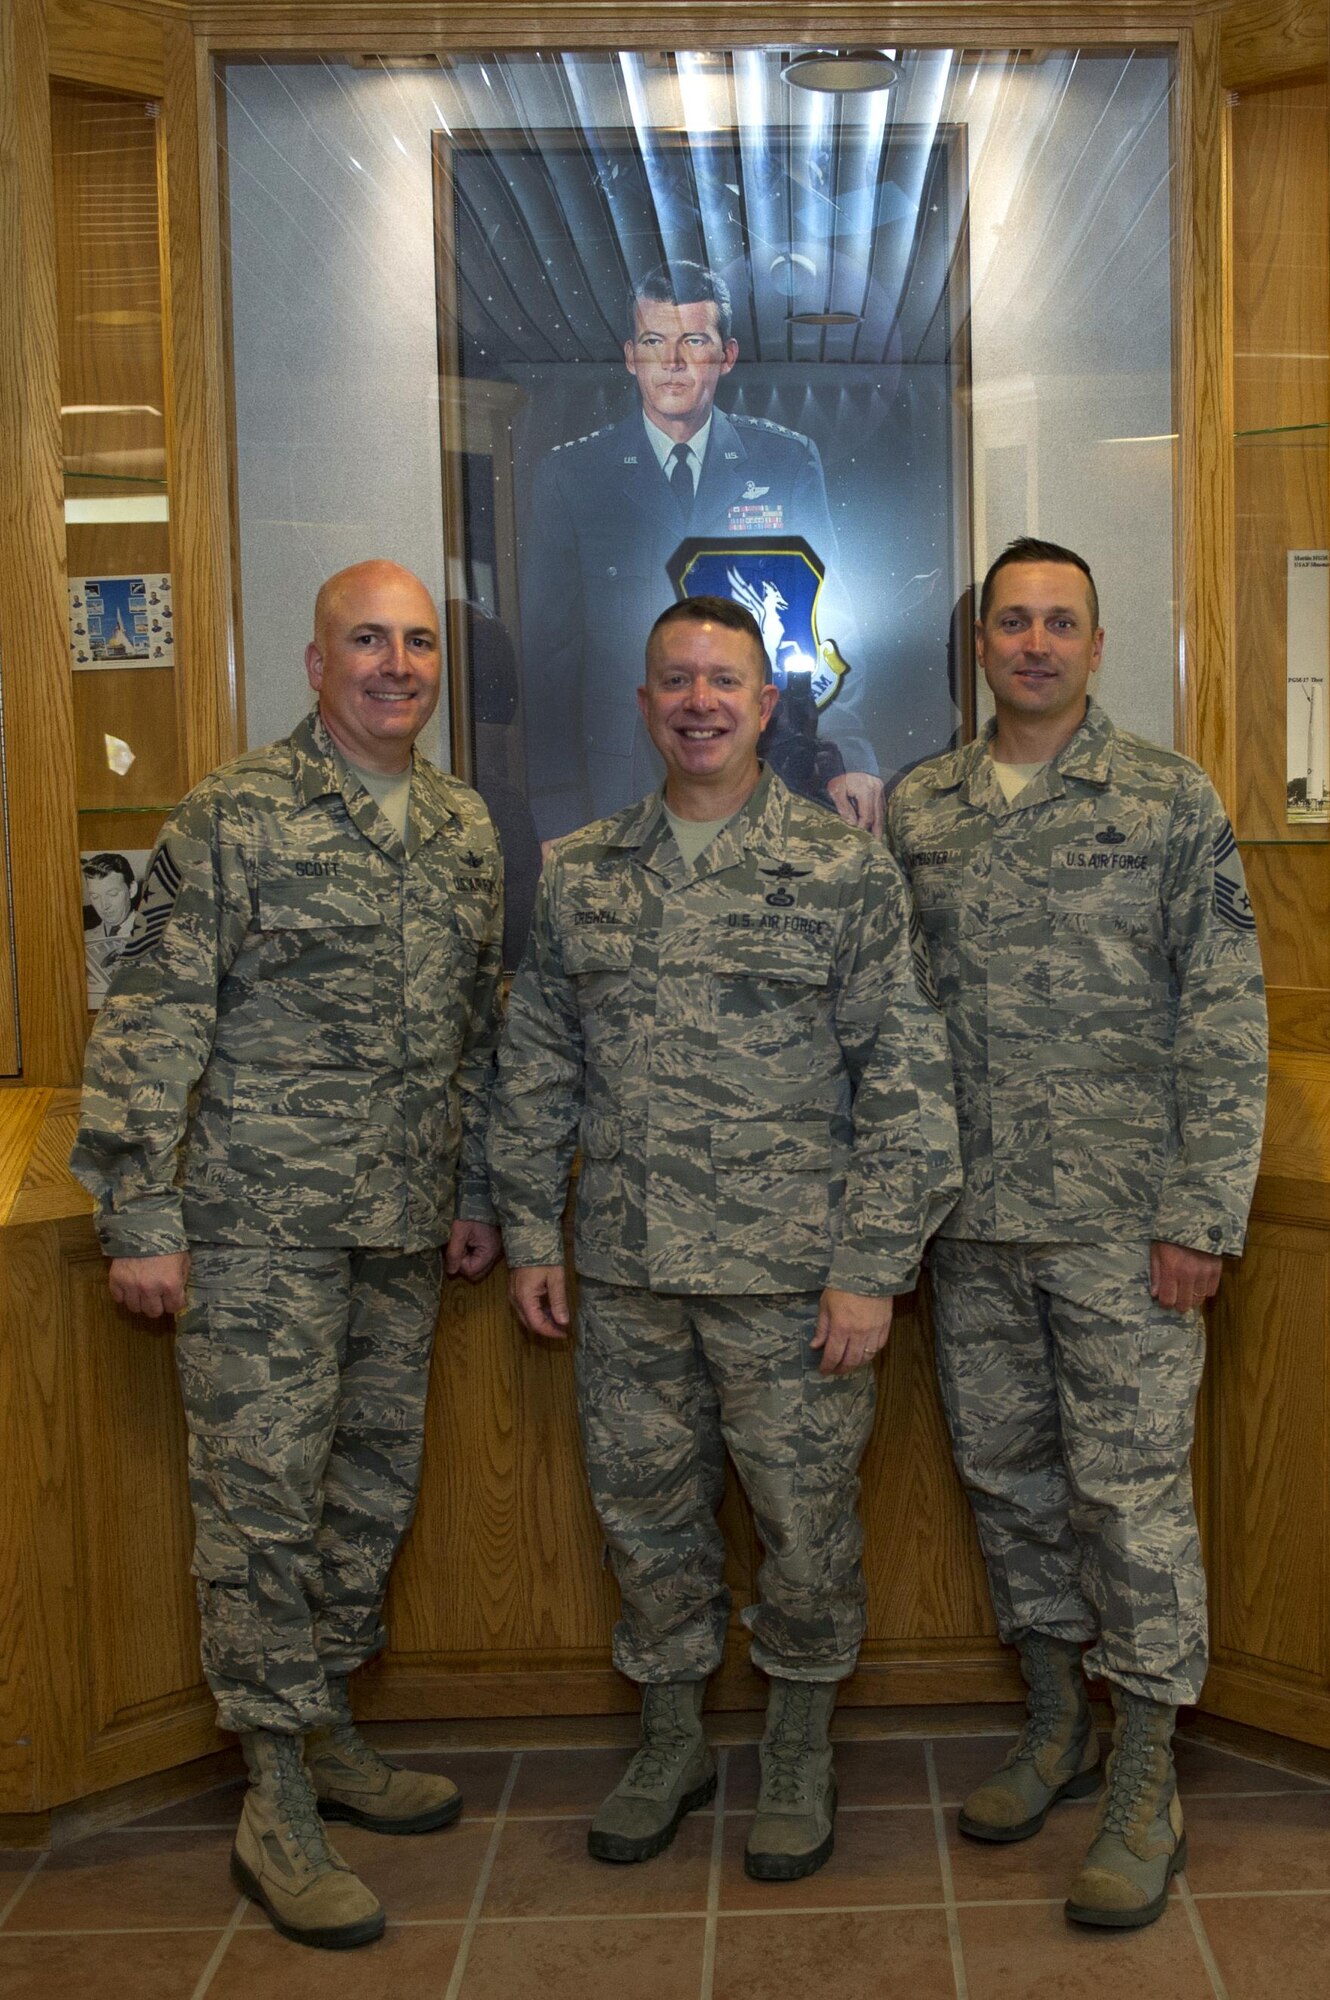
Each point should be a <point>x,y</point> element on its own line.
<point>399,1690</point>
<point>1244,1695</point>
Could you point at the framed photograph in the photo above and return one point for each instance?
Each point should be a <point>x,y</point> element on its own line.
<point>120,621</point>
<point>112,878</point>
<point>675,362</point>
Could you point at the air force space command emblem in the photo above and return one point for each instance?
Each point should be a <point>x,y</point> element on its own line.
<point>779,579</point>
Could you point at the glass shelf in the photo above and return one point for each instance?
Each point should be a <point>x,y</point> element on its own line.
<point>73,477</point>
<point>1309,436</point>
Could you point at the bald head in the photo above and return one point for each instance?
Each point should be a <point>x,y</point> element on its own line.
<point>375,662</point>
<point>344,583</point>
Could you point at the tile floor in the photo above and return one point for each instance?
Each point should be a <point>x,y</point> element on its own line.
<point>507,1904</point>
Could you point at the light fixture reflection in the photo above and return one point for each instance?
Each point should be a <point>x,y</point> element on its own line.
<point>842,70</point>
<point>825,319</point>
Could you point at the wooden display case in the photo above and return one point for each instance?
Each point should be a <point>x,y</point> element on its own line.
<point>500,1605</point>
<point>1266,1436</point>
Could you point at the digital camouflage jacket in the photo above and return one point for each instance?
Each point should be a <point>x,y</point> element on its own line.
<point>757,1078</point>
<point>298,1044</point>
<point>1096,955</point>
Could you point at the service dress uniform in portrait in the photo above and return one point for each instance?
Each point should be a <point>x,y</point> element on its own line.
<point>739,1041</point>
<point>608,511</point>
<point>1097,960</point>
<point>286,1091</point>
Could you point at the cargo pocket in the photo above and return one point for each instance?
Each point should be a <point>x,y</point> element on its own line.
<point>777,1182</point>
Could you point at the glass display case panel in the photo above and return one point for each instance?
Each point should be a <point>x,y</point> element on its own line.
<point>113,417</point>
<point>953,294</point>
<point>1281,460</point>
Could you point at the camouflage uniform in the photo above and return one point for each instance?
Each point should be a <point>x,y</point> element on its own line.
<point>290,1079</point>
<point>1097,961</point>
<point>759,1087</point>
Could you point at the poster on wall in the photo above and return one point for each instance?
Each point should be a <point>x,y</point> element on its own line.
<point>111,881</point>
<point>120,621</point>
<point>733,361</point>
<point>1308,654</point>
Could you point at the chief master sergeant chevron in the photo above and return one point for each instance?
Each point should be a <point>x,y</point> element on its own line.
<point>283,1120</point>
<point>720,1000</point>
<point>607,513</point>
<point>1097,960</point>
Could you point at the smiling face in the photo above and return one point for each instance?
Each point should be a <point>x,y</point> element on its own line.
<point>1039,646</point>
<point>375,662</point>
<point>677,357</point>
<point>705,704</point>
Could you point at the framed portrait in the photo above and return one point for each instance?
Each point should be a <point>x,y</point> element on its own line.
<point>675,362</point>
<point>112,879</point>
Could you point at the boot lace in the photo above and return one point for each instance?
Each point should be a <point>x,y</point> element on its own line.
<point>298,1806</point>
<point>663,1742</point>
<point>1135,1770</point>
<point>1046,1705</point>
<point>786,1748</point>
<point>352,1748</point>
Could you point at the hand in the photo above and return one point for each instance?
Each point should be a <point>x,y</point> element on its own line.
<point>472,1250</point>
<point>1183,1279</point>
<point>850,1330</point>
<point>150,1286</point>
<point>538,1294</point>
<point>860,799</point>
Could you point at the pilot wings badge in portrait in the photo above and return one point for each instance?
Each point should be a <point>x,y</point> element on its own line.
<point>779,579</point>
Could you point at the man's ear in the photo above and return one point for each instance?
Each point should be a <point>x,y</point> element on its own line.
<point>767,702</point>
<point>314,666</point>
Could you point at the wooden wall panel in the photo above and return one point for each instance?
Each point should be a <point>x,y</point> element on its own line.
<point>1266,41</point>
<point>912,1500</point>
<point>415,25</point>
<point>131,1497</point>
<point>1268,1363</point>
<point>115,48</point>
<point>1204,560</point>
<point>1281,394</point>
<point>38,707</point>
<point>198,450</point>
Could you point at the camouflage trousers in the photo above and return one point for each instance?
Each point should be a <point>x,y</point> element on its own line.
<point>304,1375</point>
<point>665,1384</point>
<point>1071,1398</point>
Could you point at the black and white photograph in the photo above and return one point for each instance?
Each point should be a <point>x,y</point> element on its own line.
<point>111,878</point>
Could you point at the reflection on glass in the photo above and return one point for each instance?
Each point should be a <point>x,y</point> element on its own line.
<point>952,297</point>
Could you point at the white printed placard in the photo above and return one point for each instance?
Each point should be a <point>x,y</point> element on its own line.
<point>120,621</point>
<point>1308,654</point>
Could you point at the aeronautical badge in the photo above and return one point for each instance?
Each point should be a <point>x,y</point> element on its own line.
<point>923,964</point>
<point>1108,836</point>
<point>1232,903</point>
<point>780,898</point>
<point>157,898</point>
<point>779,579</point>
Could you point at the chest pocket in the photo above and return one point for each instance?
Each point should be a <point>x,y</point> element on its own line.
<point>598,958</point>
<point>771,1002</point>
<point>1105,888</point>
<point>319,892</point>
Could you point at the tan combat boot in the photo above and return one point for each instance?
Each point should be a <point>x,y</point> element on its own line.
<point>282,1857</point>
<point>1056,1756</point>
<point>1139,1844</point>
<point>354,1783</point>
<point>672,1774</point>
<point>794,1830</point>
